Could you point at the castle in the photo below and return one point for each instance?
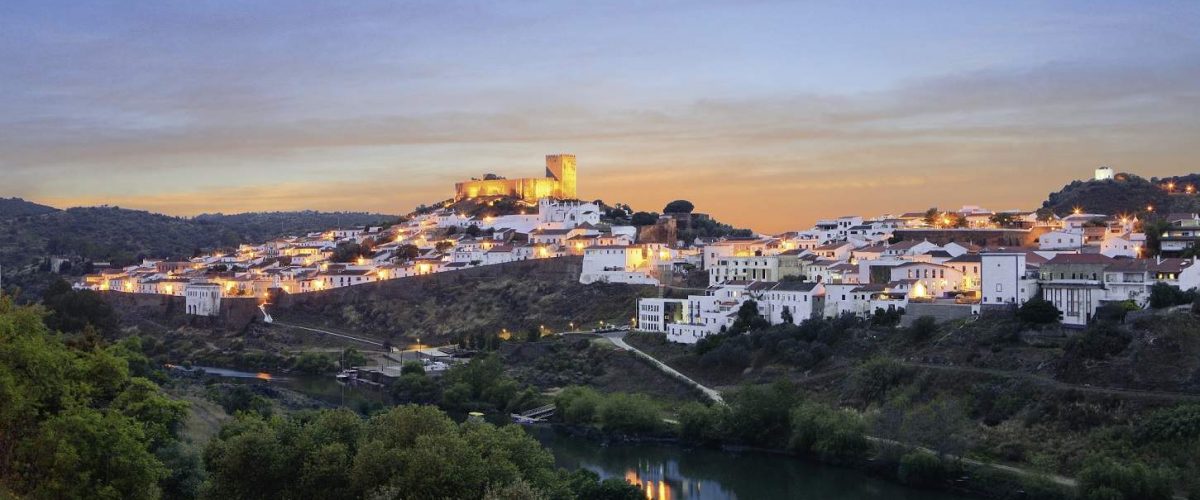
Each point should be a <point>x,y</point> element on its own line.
<point>559,182</point>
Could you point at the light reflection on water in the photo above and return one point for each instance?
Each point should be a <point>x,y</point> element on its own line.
<point>671,472</point>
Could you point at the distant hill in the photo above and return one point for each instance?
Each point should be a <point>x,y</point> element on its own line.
<point>16,207</point>
<point>1126,194</point>
<point>123,236</point>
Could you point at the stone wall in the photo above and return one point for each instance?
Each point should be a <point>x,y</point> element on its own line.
<point>981,237</point>
<point>235,315</point>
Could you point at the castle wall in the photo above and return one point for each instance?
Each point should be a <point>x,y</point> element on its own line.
<point>560,182</point>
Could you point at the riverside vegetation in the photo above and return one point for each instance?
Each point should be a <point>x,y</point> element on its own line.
<point>83,417</point>
<point>1010,389</point>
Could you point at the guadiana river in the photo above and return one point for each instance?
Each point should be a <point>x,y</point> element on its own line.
<point>664,471</point>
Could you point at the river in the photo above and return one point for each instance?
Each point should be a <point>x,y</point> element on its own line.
<point>670,472</point>
<point>664,471</point>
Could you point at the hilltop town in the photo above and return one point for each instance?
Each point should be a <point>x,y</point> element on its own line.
<point>942,263</point>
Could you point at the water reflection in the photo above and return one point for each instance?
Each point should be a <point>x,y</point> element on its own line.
<point>672,472</point>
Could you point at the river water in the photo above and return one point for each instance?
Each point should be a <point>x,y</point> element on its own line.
<point>663,471</point>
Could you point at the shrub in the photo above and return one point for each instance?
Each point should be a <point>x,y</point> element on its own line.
<point>760,415</point>
<point>921,469</point>
<point>872,380</point>
<point>1038,311</point>
<point>1100,341</point>
<point>699,423</point>
<point>629,414</point>
<point>923,328</point>
<point>833,435</point>
<point>578,405</point>
<point>1164,295</point>
<point>1127,479</point>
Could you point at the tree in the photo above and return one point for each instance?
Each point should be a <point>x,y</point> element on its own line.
<point>931,217</point>
<point>473,231</point>
<point>833,435</point>
<point>408,252</point>
<point>748,319</point>
<point>644,219</point>
<point>1164,295</point>
<point>679,207</point>
<point>1127,479</point>
<point>351,358</point>
<point>1002,219</point>
<point>923,328</point>
<point>760,415</point>
<point>629,414</point>
<point>786,316</point>
<point>1038,311</point>
<point>74,423</point>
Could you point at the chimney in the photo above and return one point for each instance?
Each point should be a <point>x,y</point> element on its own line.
<point>1158,259</point>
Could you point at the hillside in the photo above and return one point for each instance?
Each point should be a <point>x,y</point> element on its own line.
<point>1126,194</point>
<point>16,207</point>
<point>123,236</point>
<point>478,302</point>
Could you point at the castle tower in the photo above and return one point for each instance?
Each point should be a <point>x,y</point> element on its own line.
<point>562,169</point>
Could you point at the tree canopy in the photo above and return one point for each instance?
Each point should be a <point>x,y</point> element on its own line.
<point>679,207</point>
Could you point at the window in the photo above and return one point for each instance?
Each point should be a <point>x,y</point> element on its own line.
<point>999,287</point>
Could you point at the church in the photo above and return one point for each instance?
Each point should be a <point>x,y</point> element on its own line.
<point>559,182</point>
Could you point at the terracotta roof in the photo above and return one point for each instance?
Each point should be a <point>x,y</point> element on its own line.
<point>795,286</point>
<point>1080,258</point>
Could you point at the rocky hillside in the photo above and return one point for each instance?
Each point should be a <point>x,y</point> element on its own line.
<point>1126,194</point>
<point>123,236</point>
<point>483,301</point>
<point>16,207</point>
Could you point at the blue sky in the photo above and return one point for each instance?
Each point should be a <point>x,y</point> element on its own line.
<point>806,109</point>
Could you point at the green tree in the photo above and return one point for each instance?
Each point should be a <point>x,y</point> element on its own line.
<point>1038,311</point>
<point>679,207</point>
<point>644,219</point>
<point>629,414</point>
<point>837,436</point>
<point>351,358</point>
<point>923,328</point>
<point>1128,479</point>
<point>760,415</point>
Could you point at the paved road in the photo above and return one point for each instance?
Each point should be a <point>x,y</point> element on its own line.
<point>327,332</point>
<point>618,339</point>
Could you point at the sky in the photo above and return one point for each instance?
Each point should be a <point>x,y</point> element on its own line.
<point>765,114</point>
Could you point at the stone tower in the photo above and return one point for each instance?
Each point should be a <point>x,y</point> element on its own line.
<point>561,168</point>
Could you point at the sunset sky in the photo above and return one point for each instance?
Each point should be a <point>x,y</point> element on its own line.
<point>765,114</point>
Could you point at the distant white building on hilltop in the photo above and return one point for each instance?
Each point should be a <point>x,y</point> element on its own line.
<point>1104,173</point>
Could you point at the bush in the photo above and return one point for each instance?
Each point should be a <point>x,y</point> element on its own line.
<point>1126,479</point>
<point>921,470</point>
<point>1164,295</point>
<point>629,414</point>
<point>699,423</point>
<point>832,435</point>
<point>1100,341</point>
<point>1038,311</point>
<point>923,328</point>
<point>314,363</point>
<point>872,380</point>
<point>760,415</point>
<point>578,405</point>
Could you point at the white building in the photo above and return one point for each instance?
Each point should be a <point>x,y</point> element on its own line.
<point>203,299</point>
<point>1060,240</point>
<point>1004,278</point>
<point>1104,173</point>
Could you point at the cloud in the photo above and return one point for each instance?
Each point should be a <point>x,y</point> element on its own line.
<point>213,115</point>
